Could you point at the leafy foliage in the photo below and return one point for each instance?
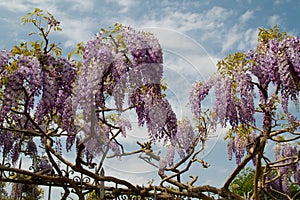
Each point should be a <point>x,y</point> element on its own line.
<point>243,183</point>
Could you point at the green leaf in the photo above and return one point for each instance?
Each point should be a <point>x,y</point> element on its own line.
<point>37,10</point>
<point>271,33</point>
<point>280,138</point>
<point>12,67</point>
<point>16,51</point>
<point>70,55</point>
<point>36,46</point>
<point>80,49</point>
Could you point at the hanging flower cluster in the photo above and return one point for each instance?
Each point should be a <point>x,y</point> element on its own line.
<point>255,85</point>
<point>39,86</point>
<point>126,62</point>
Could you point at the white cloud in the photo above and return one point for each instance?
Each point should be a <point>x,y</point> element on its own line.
<point>243,1</point>
<point>214,25</point>
<point>279,2</point>
<point>247,16</point>
<point>231,38</point>
<point>76,30</point>
<point>81,6</point>
<point>217,13</point>
<point>211,25</point>
<point>185,21</point>
<point>14,6</point>
<point>249,39</point>
<point>28,6</point>
<point>124,4</point>
<point>274,19</point>
<point>176,41</point>
<point>239,39</point>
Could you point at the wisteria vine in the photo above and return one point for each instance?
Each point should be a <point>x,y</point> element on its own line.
<point>46,98</point>
<point>249,89</point>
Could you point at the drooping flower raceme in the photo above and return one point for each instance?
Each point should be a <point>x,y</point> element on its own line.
<point>239,145</point>
<point>245,89</point>
<point>183,142</point>
<point>5,56</point>
<point>227,90</point>
<point>198,93</point>
<point>39,87</point>
<point>185,135</point>
<point>278,62</point>
<point>275,63</point>
<point>125,61</point>
<point>288,170</point>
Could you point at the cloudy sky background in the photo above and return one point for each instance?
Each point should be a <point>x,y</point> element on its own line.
<point>193,34</point>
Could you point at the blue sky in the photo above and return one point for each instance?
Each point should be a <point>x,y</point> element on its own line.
<point>193,34</point>
<point>220,26</point>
